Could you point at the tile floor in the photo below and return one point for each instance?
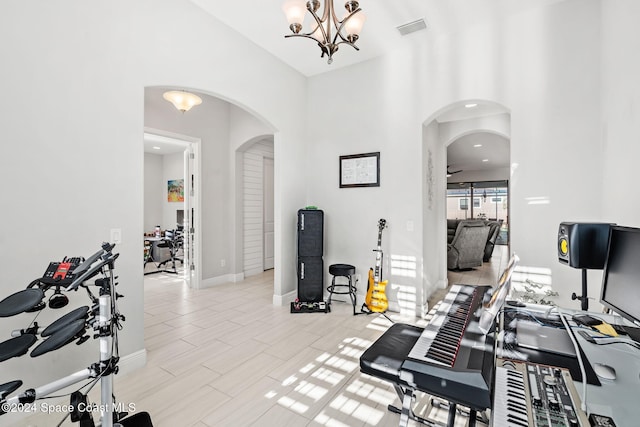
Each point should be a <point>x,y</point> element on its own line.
<point>225,356</point>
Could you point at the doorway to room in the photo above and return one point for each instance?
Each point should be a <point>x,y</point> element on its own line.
<point>171,177</point>
<point>256,158</point>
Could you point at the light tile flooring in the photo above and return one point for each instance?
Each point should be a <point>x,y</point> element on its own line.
<point>225,356</point>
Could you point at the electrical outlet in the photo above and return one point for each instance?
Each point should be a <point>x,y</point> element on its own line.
<point>116,236</point>
<point>223,262</point>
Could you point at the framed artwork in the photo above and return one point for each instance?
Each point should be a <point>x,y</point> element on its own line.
<point>175,190</point>
<point>360,170</point>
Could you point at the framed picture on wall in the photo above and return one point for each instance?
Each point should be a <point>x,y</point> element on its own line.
<point>175,190</point>
<point>360,170</point>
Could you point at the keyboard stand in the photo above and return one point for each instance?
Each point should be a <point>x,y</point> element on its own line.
<point>383,360</point>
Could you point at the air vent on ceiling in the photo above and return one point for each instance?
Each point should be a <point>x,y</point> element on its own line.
<point>412,27</point>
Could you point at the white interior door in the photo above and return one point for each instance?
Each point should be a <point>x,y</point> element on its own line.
<point>188,246</point>
<point>268,227</point>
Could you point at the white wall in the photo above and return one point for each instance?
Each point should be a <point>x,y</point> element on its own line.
<point>73,85</point>
<point>621,114</point>
<point>434,270</point>
<point>620,119</point>
<point>172,169</point>
<point>543,65</point>
<point>153,176</point>
<point>158,170</point>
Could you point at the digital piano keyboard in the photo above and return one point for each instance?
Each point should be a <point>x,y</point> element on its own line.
<point>453,359</point>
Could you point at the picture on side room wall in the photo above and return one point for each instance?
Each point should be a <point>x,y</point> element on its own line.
<point>175,190</point>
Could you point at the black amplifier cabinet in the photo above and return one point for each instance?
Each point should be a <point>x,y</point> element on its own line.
<point>310,267</point>
<point>310,232</point>
<point>583,245</point>
<point>310,279</point>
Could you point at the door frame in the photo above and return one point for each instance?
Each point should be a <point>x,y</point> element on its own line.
<point>191,144</point>
<point>265,192</point>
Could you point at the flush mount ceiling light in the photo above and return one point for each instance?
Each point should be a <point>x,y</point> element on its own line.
<point>328,31</point>
<point>182,100</point>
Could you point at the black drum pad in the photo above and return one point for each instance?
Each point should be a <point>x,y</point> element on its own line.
<point>60,338</point>
<point>20,301</point>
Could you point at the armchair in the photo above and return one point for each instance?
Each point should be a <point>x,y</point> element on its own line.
<point>467,247</point>
<point>494,231</point>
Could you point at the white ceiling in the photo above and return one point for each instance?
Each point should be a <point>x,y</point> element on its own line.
<point>264,23</point>
<point>463,154</point>
<point>161,145</point>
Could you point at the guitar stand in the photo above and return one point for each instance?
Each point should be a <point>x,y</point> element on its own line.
<point>365,310</point>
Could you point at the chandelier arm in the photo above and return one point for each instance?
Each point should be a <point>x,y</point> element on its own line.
<point>329,14</point>
<point>325,50</point>
<point>340,25</point>
<point>347,42</point>
<point>325,36</point>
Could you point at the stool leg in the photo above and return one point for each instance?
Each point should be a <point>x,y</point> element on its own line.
<point>352,295</point>
<point>331,288</point>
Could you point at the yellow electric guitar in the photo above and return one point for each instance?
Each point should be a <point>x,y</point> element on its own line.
<point>376,299</point>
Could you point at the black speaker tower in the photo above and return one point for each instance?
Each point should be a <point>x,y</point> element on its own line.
<point>310,268</point>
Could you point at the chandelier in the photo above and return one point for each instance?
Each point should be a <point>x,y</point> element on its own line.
<point>182,100</point>
<point>328,30</point>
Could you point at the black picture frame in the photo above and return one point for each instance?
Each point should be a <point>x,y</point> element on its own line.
<point>360,170</point>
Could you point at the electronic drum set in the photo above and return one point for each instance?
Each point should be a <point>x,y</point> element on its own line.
<point>102,317</point>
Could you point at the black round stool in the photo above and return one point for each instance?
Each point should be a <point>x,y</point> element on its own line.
<point>342,270</point>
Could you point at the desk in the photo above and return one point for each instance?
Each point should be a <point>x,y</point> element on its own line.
<point>617,398</point>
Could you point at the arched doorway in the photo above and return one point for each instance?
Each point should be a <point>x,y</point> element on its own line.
<point>451,123</point>
<point>221,126</point>
<point>255,189</point>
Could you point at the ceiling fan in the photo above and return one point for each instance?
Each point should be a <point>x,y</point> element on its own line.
<point>450,172</point>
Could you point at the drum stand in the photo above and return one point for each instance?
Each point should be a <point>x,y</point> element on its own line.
<point>108,319</point>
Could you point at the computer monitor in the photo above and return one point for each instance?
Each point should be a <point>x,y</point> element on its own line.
<point>491,309</point>
<point>621,278</point>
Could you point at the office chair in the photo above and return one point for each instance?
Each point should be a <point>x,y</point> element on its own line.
<point>173,241</point>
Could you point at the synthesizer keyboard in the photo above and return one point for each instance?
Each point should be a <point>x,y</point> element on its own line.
<point>533,395</point>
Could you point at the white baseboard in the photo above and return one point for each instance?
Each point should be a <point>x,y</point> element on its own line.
<point>286,299</point>
<point>132,362</point>
<point>221,280</point>
<point>253,272</point>
<point>442,284</point>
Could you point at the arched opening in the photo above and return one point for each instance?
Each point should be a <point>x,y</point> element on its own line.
<point>223,129</point>
<point>255,196</point>
<point>467,123</point>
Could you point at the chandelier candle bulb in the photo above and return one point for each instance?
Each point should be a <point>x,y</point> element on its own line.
<point>295,11</point>
<point>328,31</point>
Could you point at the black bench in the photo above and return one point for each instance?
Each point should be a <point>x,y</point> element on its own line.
<point>384,359</point>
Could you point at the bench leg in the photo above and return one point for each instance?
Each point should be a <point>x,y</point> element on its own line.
<point>406,412</point>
